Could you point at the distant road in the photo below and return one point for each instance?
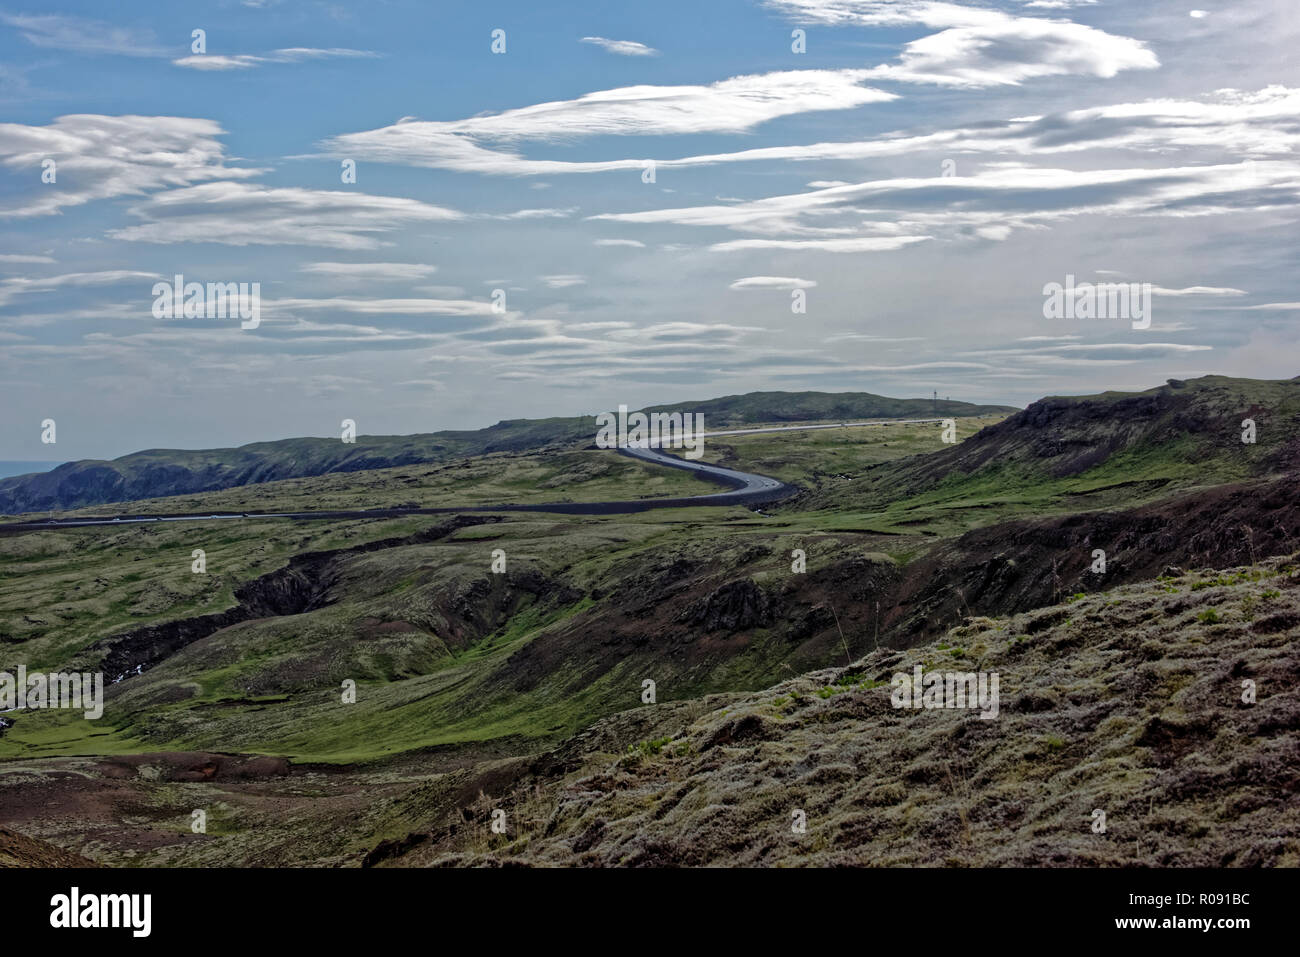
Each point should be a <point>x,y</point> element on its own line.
<point>743,488</point>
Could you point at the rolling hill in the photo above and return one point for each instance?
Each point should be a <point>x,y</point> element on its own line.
<point>1114,448</point>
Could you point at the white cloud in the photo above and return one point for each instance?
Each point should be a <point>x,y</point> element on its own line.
<point>563,281</point>
<point>371,306</point>
<point>297,54</point>
<point>551,213</point>
<point>9,288</point>
<point>772,282</point>
<point>1249,123</point>
<point>1010,52</point>
<point>734,105</point>
<point>1198,291</point>
<point>216,61</point>
<point>855,336</point>
<point>242,214</point>
<point>622,47</point>
<point>100,157</point>
<point>990,203</point>
<point>79,35</point>
<point>245,61</point>
<point>370,271</point>
<point>866,244</point>
<point>979,46</point>
<point>636,243</point>
<point>18,258</point>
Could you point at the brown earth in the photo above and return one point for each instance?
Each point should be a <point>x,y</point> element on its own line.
<point>17,850</point>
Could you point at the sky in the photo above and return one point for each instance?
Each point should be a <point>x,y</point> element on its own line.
<point>558,208</point>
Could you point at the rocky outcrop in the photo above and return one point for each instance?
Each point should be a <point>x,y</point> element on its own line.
<point>731,607</point>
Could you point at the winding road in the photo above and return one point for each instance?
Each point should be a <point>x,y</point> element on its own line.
<point>743,488</point>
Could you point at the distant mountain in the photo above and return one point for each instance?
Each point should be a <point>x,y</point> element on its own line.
<point>1184,433</point>
<point>156,473</point>
<point>761,407</point>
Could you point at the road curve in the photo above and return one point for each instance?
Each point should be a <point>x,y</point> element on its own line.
<point>743,488</point>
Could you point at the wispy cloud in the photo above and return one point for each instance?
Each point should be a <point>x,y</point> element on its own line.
<point>79,35</point>
<point>991,203</point>
<point>734,105</point>
<point>1259,123</point>
<point>20,258</point>
<point>978,46</point>
<point>245,61</point>
<point>622,47</point>
<point>862,244</point>
<point>100,157</point>
<point>563,281</point>
<point>1197,291</point>
<point>9,288</point>
<point>772,282</point>
<point>243,214</point>
<point>376,272</point>
<point>549,213</point>
<point>384,307</point>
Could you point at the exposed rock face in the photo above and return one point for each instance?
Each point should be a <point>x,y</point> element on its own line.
<point>735,605</point>
<point>1017,566</point>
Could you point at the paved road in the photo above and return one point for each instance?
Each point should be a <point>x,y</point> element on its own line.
<point>743,488</point>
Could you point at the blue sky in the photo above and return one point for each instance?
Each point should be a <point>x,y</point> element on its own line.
<point>918,174</point>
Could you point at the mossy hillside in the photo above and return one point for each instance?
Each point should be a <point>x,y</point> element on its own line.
<point>66,588</point>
